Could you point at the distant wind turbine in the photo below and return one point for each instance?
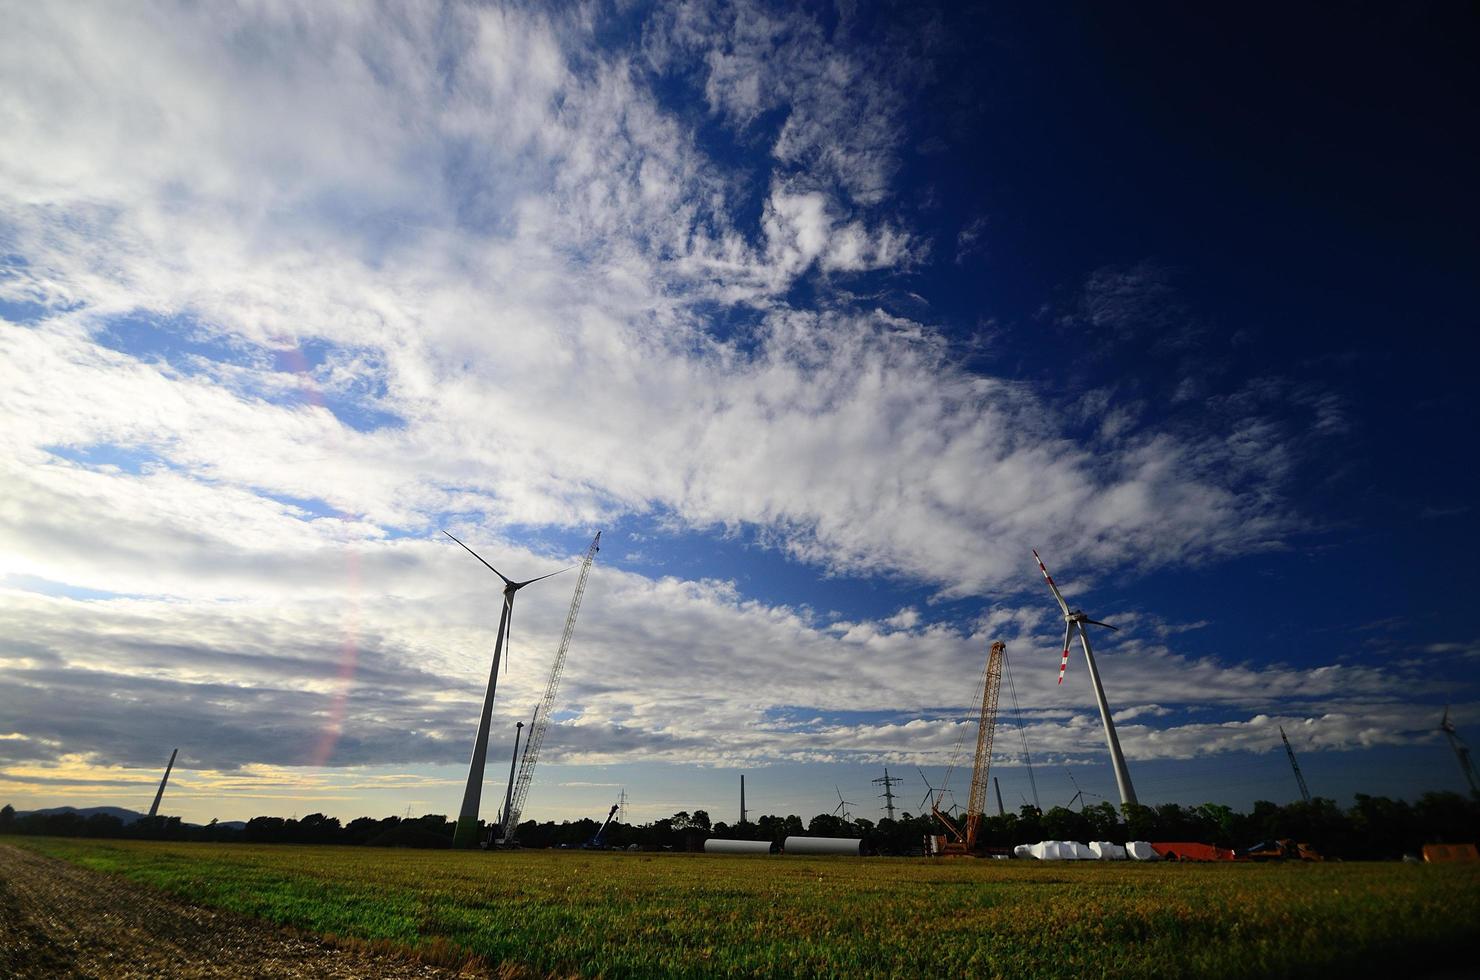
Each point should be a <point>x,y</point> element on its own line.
<point>843,805</point>
<point>938,795</point>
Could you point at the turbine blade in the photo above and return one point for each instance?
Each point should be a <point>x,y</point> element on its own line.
<point>520,585</point>
<point>1064,663</point>
<point>1053,588</point>
<point>479,557</point>
<point>508,635</point>
<point>1093,622</point>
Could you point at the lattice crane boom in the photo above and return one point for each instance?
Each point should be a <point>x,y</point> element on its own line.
<point>965,841</point>
<point>977,804</point>
<point>546,707</point>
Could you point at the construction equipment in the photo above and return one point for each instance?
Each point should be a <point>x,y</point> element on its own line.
<point>1283,849</point>
<point>1076,619</point>
<point>1299,779</point>
<point>956,840</point>
<point>598,839</point>
<point>546,709</point>
<point>1461,752</point>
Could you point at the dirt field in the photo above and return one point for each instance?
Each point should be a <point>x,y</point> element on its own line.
<point>57,919</point>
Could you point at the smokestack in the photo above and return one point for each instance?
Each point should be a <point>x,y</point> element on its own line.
<point>153,810</point>
<point>742,797</point>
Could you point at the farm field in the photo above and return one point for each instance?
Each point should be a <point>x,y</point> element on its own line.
<point>646,915</point>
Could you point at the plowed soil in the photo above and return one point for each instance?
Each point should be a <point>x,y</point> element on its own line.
<point>60,920</point>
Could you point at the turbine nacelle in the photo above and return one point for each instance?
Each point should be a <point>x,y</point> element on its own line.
<point>1080,616</point>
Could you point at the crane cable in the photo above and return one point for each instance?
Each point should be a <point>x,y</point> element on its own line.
<point>961,736</point>
<point>541,721</point>
<point>1022,732</point>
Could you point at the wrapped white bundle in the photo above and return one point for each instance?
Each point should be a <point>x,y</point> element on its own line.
<point>1142,850</point>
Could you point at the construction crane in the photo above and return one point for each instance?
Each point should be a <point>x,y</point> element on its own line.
<point>598,839</point>
<point>1461,752</point>
<point>1295,766</point>
<point>956,840</point>
<point>546,709</point>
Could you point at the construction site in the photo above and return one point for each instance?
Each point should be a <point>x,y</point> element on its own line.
<point>953,832</point>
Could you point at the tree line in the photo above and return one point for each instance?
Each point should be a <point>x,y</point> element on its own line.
<point>1373,828</point>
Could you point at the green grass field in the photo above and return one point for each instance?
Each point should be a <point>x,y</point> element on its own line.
<point>650,915</point>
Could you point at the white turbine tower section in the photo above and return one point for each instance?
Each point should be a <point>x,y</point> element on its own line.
<point>1077,620</point>
<point>547,706</point>
<point>159,795</point>
<point>466,834</point>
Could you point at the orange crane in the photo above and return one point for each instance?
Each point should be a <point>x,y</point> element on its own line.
<point>956,840</point>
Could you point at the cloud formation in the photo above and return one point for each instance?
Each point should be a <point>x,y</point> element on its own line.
<point>287,287</point>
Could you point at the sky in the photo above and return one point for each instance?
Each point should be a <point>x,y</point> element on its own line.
<point>825,315</point>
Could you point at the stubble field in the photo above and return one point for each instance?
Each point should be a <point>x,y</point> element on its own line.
<point>657,915</point>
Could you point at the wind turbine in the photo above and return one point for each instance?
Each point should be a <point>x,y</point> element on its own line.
<point>843,805</point>
<point>1461,752</point>
<point>1077,620</point>
<point>936,795</point>
<point>1079,794</point>
<point>466,834</point>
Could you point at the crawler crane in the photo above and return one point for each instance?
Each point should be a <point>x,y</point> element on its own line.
<point>957,840</point>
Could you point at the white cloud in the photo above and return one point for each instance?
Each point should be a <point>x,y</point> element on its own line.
<point>500,240</point>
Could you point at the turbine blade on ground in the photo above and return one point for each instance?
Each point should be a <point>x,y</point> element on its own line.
<point>479,557</point>
<point>1053,588</point>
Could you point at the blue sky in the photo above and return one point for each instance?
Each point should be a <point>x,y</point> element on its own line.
<point>825,315</point>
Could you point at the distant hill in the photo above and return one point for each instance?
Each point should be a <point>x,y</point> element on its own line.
<point>127,816</point>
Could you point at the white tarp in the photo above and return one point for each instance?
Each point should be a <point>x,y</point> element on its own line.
<point>1106,851</point>
<point>1142,851</point>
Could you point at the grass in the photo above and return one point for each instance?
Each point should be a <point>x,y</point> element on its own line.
<point>648,915</point>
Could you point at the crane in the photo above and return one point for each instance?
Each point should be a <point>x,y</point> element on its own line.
<point>598,839</point>
<point>546,708</point>
<point>1295,766</point>
<point>964,842</point>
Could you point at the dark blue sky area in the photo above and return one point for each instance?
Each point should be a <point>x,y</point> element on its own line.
<point>1297,183</point>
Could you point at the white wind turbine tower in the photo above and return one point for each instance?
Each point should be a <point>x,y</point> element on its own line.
<point>1077,620</point>
<point>466,834</point>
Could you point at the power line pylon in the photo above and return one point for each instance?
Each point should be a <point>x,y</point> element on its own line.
<point>888,782</point>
